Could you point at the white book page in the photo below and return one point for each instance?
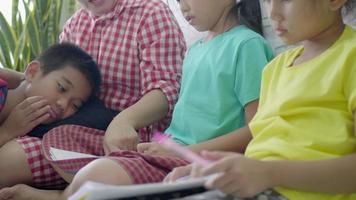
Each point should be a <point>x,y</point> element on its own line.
<point>59,154</point>
<point>97,191</point>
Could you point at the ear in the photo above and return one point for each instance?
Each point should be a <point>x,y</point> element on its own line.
<point>32,70</point>
<point>335,5</point>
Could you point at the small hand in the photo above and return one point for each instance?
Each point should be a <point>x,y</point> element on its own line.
<point>178,172</point>
<point>154,148</point>
<point>26,115</point>
<point>241,176</point>
<point>120,136</point>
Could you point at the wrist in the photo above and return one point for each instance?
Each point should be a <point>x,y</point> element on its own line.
<point>273,174</point>
<point>5,135</point>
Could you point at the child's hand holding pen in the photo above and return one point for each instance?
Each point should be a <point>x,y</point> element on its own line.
<point>184,172</point>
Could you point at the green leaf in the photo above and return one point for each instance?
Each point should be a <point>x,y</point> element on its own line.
<point>34,34</point>
<point>5,53</point>
<point>7,31</point>
<point>14,15</point>
<point>19,48</point>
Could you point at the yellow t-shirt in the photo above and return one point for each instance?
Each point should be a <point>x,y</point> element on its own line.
<point>306,111</point>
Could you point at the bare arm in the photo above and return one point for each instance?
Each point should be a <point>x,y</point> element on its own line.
<point>149,109</point>
<point>121,133</point>
<point>235,141</point>
<point>13,78</point>
<point>4,137</point>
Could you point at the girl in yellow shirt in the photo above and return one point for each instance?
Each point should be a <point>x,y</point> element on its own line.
<point>303,135</point>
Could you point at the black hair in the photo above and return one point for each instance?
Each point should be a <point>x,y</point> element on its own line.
<point>249,14</point>
<point>350,5</point>
<point>64,55</point>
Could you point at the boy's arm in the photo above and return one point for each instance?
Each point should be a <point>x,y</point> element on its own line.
<point>235,141</point>
<point>12,77</point>
<point>4,137</point>
<point>23,118</point>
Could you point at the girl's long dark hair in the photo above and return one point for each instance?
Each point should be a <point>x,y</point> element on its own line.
<point>249,14</point>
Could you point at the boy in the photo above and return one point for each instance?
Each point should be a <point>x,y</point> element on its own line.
<point>55,86</point>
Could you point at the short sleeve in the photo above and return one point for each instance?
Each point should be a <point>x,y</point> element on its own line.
<point>253,56</point>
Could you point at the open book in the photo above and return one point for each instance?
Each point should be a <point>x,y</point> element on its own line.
<point>60,154</point>
<point>181,188</point>
<point>99,191</point>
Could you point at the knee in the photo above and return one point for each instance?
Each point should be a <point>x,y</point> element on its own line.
<point>103,171</point>
<point>13,165</point>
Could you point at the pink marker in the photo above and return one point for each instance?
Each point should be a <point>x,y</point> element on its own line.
<point>168,143</point>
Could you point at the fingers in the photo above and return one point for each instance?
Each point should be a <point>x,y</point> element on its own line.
<point>31,102</point>
<point>109,148</point>
<point>38,119</point>
<point>222,165</point>
<point>143,147</point>
<point>220,181</point>
<point>34,107</point>
<point>177,173</point>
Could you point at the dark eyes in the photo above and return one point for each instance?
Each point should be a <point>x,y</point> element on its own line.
<point>61,88</point>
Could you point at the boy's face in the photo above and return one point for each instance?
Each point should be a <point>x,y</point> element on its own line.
<point>65,89</point>
<point>98,7</point>
<point>298,20</point>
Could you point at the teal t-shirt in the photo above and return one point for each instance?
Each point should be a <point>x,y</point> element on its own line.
<point>219,78</point>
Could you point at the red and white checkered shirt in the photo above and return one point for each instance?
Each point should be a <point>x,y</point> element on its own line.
<point>138,47</point>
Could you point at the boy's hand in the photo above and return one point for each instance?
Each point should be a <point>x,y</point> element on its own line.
<point>25,116</point>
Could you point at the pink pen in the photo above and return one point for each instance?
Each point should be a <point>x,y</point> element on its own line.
<point>168,143</point>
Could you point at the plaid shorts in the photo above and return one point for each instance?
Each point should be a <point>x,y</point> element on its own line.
<point>43,174</point>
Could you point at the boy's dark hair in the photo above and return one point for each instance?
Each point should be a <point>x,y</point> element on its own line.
<point>64,55</point>
<point>249,14</point>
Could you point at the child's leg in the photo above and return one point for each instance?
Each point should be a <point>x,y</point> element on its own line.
<point>24,162</point>
<point>98,171</point>
<point>101,170</point>
<point>13,166</point>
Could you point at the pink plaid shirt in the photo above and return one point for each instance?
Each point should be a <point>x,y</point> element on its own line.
<point>138,47</point>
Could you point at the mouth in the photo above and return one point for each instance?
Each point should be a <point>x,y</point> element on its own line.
<point>189,19</point>
<point>54,114</point>
<point>280,31</point>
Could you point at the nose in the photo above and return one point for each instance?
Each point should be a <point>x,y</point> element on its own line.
<point>183,6</point>
<point>273,10</point>
<point>62,103</point>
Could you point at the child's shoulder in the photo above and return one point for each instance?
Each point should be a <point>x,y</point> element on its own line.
<point>242,34</point>
<point>348,38</point>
